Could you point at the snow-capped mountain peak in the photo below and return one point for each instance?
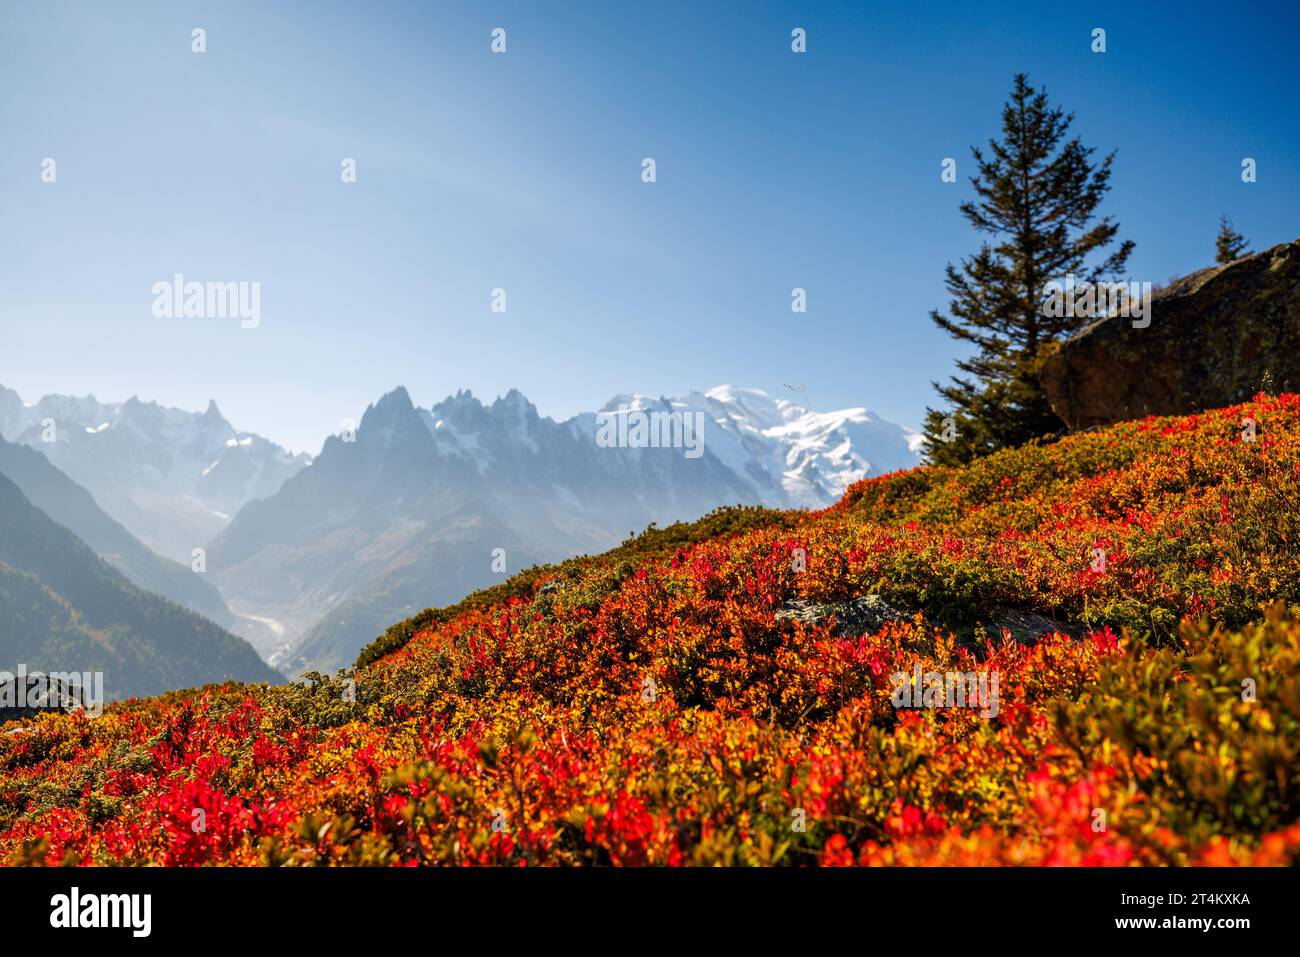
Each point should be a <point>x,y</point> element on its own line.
<point>791,455</point>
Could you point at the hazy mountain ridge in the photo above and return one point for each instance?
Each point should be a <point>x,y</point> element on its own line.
<point>71,506</point>
<point>173,478</point>
<point>62,608</point>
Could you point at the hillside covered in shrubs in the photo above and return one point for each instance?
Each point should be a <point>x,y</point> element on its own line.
<point>729,692</point>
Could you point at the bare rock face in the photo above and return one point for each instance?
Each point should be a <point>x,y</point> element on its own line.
<point>1215,338</point>
<point>868,614</point>
<point>864,615</point>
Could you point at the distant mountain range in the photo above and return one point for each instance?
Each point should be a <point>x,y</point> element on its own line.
<point>420,506</point>
<point>173,478</point>
<point>410,513</point>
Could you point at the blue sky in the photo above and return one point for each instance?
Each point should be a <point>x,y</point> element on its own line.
<point>522,171</point>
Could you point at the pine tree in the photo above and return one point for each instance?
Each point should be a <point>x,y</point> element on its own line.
<point>1231,244</point>
<point>1037,195</point>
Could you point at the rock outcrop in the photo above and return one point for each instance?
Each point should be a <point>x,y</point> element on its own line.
<point>1215,338</point>
<point>867,614</point>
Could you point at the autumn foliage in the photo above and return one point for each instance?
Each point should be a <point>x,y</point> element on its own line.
<point>657,707</point>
